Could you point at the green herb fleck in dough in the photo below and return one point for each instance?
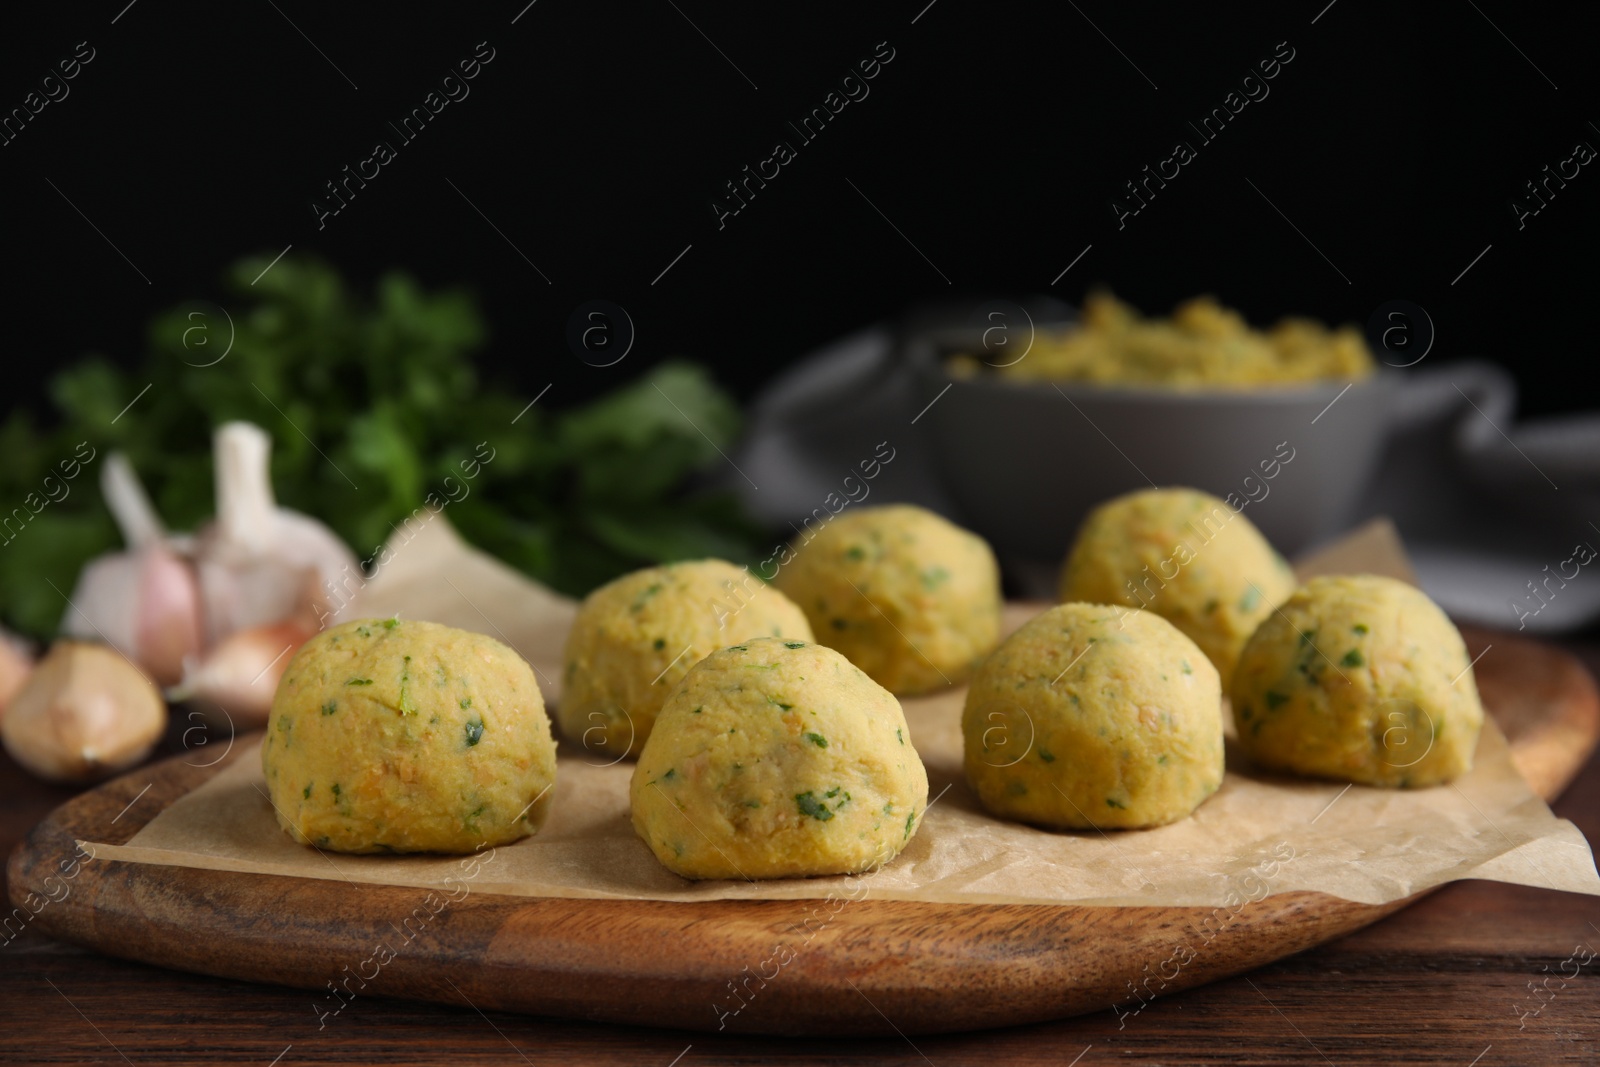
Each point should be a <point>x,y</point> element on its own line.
<point>809,805</point>
<point>474,732</point>
<point>1186,668</point>
<point>1211,605</point>
<point>900,733</point>
<point>406,705</point>
<point>671,772</point>
<point>330,707</point>
<point>1360,628</point>
<point>1251,598</point>
<point>1048,757</point>
<point>909,818</point>
<point>741,648</point>
<point>466,702</point>
<point>934,577</point>
<point>364,631</point>
<point>660,643</point>
<point>817,739</point>
<point>646,595</point>
<point>698,710</point>
<point>855,552</point>
<point>1161,758</point>
<point>775,701</point>
<point>752,803</point>
<point>1115,803</point>
<point>794,644</point>
<point>391,622</point>
<point>335,788</point>
<point>1353,658</point>
<point>306,792</point>
<point>359,681</point>
<point>1275,700</point>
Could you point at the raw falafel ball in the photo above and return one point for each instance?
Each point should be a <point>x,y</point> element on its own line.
<point>396,736</point>
<point>778,759</point>
<point>636,637</point>
<point>1185,555</point>
<point>909,597</point>
<point>1362,679</point>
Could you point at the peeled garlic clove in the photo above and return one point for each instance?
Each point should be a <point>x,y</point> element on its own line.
<point>84,714</point>
<point>240,676</point>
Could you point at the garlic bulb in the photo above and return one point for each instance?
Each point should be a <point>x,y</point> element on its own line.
<point>170,601</point>
<point>240,676</point>
<point>84,714</point>
<point>255,558</point>
<point>145,600</point>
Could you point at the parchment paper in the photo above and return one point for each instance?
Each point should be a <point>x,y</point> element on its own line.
<point>1257,835</point>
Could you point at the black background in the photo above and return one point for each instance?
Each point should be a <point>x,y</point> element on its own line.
<point>995,139</point>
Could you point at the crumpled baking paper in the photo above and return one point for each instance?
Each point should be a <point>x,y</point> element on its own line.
<point>1260,834</point>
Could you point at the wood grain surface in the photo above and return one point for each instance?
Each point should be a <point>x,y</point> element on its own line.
<point>1494,941</point>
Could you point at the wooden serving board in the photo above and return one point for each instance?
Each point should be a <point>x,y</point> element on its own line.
<point>928,967</point>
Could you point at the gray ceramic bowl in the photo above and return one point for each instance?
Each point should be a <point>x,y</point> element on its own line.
<point>1025,461</point>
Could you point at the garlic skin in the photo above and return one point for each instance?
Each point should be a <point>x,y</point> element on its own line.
<point>238,678</point>
<point>84,714</point>
<point>167,614</point>
<point>146,601</point>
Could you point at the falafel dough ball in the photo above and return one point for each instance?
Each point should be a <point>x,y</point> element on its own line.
<point>637,636</point>
<point>778,759</point>
<point>1094,717</point>
<point>1361,679</point>
<point>909,597</point>
<point>1185,555</point>
<point>397,736</point>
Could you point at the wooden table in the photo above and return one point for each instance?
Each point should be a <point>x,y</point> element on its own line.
<point>1454,979</point>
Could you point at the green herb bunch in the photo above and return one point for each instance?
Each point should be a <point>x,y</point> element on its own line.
<point>372,405</point>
